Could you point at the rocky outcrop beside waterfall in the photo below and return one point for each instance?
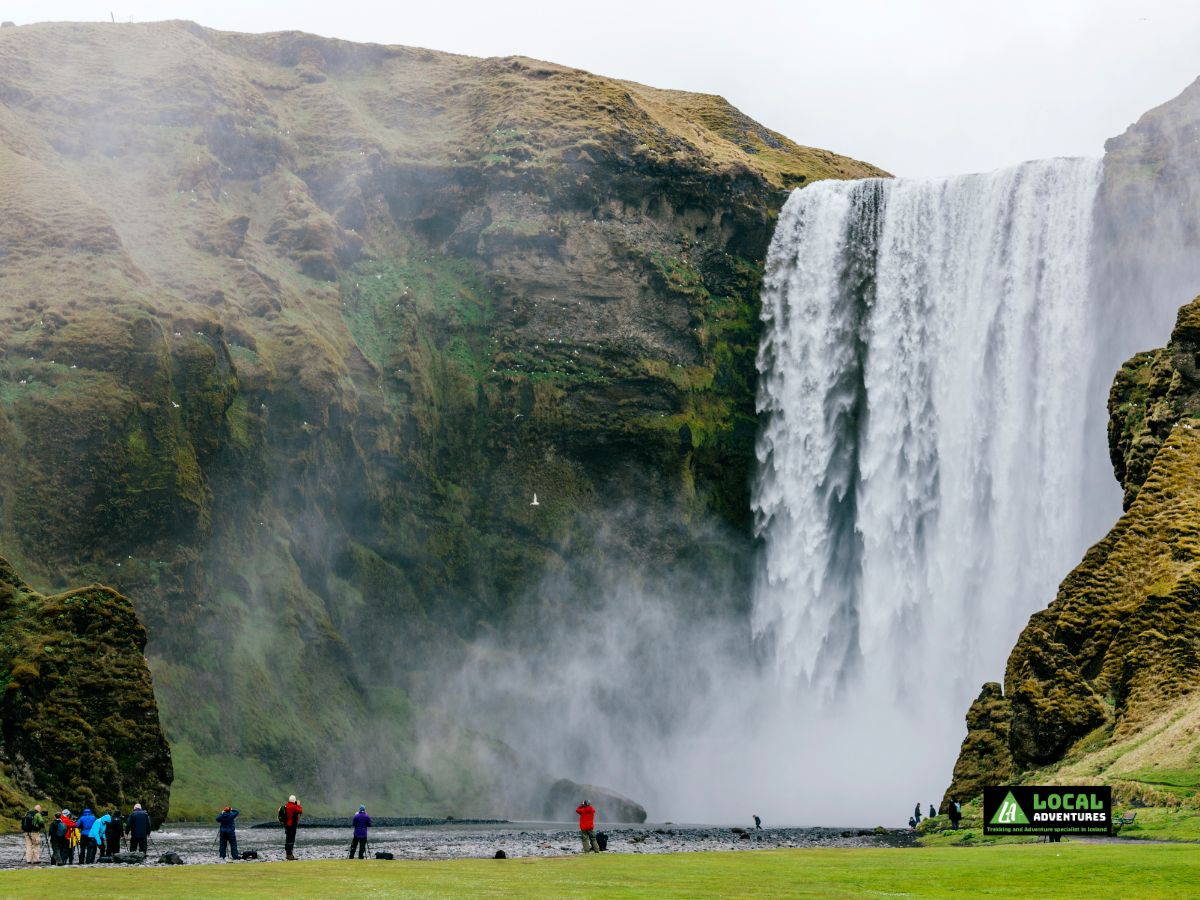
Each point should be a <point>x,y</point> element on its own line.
<point>1101,683</point>
<point>1118,647</point>
<point>78,719</point>
<point>293,329</point>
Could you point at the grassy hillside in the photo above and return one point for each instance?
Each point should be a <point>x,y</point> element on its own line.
<point>292,329</point>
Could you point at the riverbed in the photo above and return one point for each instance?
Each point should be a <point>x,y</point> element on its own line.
<point>198,843</point>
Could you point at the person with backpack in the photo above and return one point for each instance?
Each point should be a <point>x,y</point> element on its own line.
<point>87,849</point>
<point>58,838</point>
<point>289,817</point>
<point>227,834</point>
<point>137,826</point>
<point>361,823</point>
<point>112,834</point>
<point>587,826</point>
<point>32,826</point>
<point>97,835</point>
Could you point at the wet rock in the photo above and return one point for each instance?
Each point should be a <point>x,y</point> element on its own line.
<point>170,859</point>
<point>564,795</point>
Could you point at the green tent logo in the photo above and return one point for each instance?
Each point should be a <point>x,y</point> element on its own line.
<point>1009,813</point>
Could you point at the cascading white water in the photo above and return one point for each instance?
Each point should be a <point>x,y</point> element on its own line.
<point>927,475</point>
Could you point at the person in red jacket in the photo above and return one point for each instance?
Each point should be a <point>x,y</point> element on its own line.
<point>291,819</point>
<point>587,826</point>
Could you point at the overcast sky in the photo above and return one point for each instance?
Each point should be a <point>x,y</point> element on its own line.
<point>919,87</point>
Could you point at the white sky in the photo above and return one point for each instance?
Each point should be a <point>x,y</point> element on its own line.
<point>919,87</point>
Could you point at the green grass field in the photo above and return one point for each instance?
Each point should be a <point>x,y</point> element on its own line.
<point>1044,871</point>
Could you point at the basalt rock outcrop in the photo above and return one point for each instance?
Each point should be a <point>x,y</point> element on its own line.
<point>293,329</point>
<point>78,719</point>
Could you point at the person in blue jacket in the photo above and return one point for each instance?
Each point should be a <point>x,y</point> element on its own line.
<point>97,834</point>
<point>87,849</point>
<point>361,823</point>
<point>228,835</point>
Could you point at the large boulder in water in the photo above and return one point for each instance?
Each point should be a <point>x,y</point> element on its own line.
<point>564,795</point>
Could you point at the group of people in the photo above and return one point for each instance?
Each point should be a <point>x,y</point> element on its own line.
<point>85,839</point>
<point>96,837</point>
<point>289,817</point>
<point>953,812</point>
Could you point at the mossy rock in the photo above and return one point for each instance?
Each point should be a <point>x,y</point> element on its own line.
<point>78,715</point>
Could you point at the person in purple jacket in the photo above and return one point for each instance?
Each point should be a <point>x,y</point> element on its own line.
<point>361,823</point>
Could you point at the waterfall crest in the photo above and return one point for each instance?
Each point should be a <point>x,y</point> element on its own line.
<point>928,464</point>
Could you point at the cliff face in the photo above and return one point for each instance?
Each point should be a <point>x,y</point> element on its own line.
<point>78,720</point>
<point>293,330</point>
<point>1099,683</point>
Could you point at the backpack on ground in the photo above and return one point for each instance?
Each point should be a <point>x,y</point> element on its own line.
<point>602,841</point>
<point>282,815</point>
<point>27,822</point>
<point>383,854</point>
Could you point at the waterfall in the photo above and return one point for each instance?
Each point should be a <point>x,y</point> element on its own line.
<point>932,452</point>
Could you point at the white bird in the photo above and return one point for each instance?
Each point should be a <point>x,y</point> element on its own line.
<point>535,502</point>
<point>174,404</point>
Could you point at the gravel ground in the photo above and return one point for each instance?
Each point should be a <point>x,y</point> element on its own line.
<point>198,844</point>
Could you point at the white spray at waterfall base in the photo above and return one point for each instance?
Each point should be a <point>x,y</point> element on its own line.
<point>927,473</point>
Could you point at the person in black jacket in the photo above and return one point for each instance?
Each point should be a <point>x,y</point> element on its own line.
<point>954,811</point>
<point>228,834</point>
<point>112,837</point>
<point>137,826</point>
